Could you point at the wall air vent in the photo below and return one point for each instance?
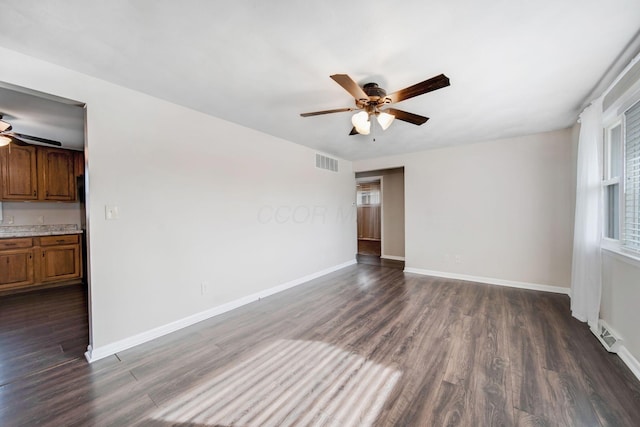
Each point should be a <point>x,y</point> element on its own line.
<point>610,341</point>
<point>324,162</point>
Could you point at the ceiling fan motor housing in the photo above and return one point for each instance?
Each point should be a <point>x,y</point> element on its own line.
<point>377,96</point>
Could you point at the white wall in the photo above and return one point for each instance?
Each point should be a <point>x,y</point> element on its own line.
<point>200,199</point>
<point>500,209</point>
<point>27,213</point>
<point>620,298</point>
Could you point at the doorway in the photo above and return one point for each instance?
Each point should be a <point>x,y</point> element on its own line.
<point>380,217</point>
<point>44,304</point>
<point>368,202</point>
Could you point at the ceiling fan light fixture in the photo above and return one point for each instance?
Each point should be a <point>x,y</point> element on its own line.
<point>385,119</point>
<point>361,122</point>
<point>4,140</point>
<point>4,126</point>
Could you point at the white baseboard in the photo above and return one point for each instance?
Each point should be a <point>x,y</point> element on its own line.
<point>98,353</point>
<point>628,359</point>
<point>623,353</point>
<point>490,281</point>
<point>393,257</point>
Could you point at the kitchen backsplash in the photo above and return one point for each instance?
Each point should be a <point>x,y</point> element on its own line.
<point>40,213</point>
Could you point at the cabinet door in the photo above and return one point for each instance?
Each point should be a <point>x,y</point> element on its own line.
<point>57,174</point>
<point>18,169</point>
<point>60,263</point>
<point>16,268</point>
<point>78,159</point>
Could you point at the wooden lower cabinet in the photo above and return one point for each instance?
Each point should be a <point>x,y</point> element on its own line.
<point>16,268</point>
<point>60,258</point>
<point>39,261</point>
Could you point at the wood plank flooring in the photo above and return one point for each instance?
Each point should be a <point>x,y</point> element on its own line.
<point>367,345</point>
<point>41,329</point>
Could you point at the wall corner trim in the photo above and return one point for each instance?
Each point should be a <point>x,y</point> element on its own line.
<point>490,281</point>
<point>94,354</point>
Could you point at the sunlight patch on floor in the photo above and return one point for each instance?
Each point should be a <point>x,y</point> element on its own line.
<point>289,382</point>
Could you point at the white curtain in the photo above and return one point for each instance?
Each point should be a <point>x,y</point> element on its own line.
<point>586,279</point>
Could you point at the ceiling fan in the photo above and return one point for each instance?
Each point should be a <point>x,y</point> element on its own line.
<point>371,99</point>
<point>7,136</point>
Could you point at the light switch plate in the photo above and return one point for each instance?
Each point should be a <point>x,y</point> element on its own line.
<point>111,212</point>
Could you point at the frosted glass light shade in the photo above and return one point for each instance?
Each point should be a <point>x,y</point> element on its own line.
<point>361,122</point>
<point>385,120</point>
<point>4,140</point>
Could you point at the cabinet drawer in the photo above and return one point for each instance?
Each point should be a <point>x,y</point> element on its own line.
<point>17,243</point>
<point>68,239</point>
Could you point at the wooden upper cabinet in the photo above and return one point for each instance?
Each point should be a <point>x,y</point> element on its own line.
<point>56,170</point>
<point>19,173</point>
<point>37,173</point>
<point>79,163</point>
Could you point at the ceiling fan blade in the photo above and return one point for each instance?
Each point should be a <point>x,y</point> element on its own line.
<point>317,113</point>
<point>350,86</point>
<point>15,140</point>
<point>353,131</point>
<point>36,138</point>
<point>406,116</point>
<point>434,83</point>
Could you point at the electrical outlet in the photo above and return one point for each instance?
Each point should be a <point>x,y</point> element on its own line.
<point>204,287</point>
<point>9,219</point>
<point>458,259</point>
<point>40,219</point>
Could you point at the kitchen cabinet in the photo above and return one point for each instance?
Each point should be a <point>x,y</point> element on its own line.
<point>31,173</point>
<point>19,172</point>
<point>59,258</point>
<point>30,262</point>
<point>16,263</point>
<point>56,174</point>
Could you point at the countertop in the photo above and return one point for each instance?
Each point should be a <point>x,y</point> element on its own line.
<point>38,230</point>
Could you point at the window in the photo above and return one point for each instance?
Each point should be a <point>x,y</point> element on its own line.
<point>611,183</point>
<point>631,235</point>
<point>368,194</point>
<point>621,180</point>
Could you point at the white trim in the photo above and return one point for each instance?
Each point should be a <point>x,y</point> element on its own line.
<point>98,353</point>
<point>632,363</point>
<point>620,255</point>
<point>619,348</point>
<point>490,281</point>
<point>393,257</point>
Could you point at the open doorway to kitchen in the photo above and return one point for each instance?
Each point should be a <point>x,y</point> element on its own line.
<point>380,207</point>
<point>44,293</point>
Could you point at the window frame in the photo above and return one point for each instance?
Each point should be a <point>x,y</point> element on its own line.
<point>609,181</point>
<point>613,117</point>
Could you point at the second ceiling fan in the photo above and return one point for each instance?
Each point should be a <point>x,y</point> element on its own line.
<point>371,98</point>
<point>7,136</point>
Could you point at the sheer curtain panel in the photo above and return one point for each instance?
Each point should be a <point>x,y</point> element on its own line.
<point>586,280</point>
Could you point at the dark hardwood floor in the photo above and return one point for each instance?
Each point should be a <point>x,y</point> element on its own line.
<point>380,262</point>
<point>367,345</point>
<point>41,329</point>
<point>369,247</point>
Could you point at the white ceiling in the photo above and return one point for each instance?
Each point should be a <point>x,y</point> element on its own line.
<point>516,67</point>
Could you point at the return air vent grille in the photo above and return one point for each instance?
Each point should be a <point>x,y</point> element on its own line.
<point>324,162</point>
<point>610,341</point>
